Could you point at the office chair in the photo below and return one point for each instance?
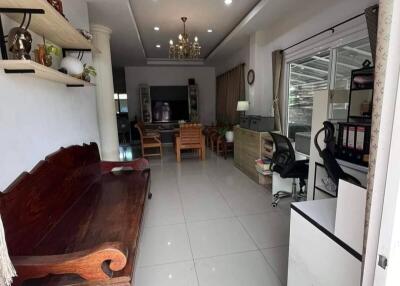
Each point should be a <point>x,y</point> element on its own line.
<point>284,163</point>
<point>332,167</point>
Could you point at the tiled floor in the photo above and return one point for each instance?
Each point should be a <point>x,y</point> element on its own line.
<point>210,225</point>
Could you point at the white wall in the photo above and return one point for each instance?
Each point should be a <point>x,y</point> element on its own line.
<point>37,116</point>
<point>170,76</point>
<point>295,28</point>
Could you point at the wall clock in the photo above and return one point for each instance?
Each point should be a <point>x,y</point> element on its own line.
<point>250,77</point>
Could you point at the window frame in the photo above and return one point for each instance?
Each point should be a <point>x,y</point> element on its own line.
<point>320,44</point>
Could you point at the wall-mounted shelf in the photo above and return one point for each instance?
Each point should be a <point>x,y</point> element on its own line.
<point>38,70</point>
<point>52,25</point>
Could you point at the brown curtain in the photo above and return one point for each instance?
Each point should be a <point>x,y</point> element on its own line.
<point>230,90</point>
<point>277,68</point>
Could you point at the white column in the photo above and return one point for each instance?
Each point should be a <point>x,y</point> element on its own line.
<point>106,113</point>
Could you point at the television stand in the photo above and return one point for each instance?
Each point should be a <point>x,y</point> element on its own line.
<point>167,130</point>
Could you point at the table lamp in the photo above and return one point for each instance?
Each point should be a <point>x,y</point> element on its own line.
<point>242,107</point>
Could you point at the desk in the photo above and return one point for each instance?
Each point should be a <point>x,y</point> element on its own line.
<point>326,238</point>
<point>316,255</point>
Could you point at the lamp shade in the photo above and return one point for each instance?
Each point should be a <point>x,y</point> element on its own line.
<point>243,106</point>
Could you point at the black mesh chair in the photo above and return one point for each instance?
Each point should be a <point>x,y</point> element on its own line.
<point>284,163</point>
<point>332,167</point>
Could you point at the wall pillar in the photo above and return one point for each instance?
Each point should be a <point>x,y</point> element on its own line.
<point>106,113</point>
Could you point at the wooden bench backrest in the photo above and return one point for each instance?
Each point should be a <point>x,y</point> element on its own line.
<point>37,200</point>
<point>190,134</point>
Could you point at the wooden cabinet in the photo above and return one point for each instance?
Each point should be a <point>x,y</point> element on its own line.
<point>249,147</point>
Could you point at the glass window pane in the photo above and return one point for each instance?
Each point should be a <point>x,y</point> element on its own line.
<point>306,76</point>
<point>350,57</point>
<point>123,96</point>
<point>124,106</point>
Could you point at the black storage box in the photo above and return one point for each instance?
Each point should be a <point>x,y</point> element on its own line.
<point>262,124</point>
<point>354,142</point>
<point>245,122</point>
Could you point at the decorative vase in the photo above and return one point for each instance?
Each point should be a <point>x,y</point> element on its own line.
<point>42,57</point>
<point>229,136</point>
<point>73,66</point>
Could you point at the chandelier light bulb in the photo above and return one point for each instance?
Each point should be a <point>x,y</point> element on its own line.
<point>184,48</point>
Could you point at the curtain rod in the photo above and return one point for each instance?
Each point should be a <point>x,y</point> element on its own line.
<point>332,29</point>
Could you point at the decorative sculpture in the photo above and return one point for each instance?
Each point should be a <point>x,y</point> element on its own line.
<point>20,43</point>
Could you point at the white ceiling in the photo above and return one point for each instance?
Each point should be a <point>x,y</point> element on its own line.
<point>126,47</point>
<point>133,21</point>
<point>202,15</point>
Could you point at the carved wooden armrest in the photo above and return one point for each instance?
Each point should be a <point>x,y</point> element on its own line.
<point>87,264</point>
<point>137,165</point>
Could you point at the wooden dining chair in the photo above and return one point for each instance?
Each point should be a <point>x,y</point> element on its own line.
<point>190,137</point>
<point>216,141</point>
<point>149,141</point>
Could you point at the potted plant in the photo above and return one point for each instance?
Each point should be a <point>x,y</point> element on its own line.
<point>227,132</point>
<point>229,135</point>
<point>88,72</point>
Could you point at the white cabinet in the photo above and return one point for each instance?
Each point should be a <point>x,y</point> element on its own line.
<point>316,260</point>
<point>317,257</point>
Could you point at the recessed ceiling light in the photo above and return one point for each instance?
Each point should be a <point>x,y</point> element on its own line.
<point>158,46</point>
<point>228,2</point>
<point>156,28</point>
<point>209,30</point>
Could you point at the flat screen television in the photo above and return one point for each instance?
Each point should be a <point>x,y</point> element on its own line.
<point>169,103</point>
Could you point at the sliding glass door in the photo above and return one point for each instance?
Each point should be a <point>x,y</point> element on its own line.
<point>329,69</point>
<point>306,76</point>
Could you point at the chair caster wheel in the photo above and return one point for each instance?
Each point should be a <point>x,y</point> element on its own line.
<point>276,196</point>
<point>149,196</point>
<point>274,205</point>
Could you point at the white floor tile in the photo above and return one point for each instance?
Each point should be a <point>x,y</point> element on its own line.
<point>175,274</point>
<point>164,208</point>
<point>246,202</point>
<point>204,205</point>
<point>268,230</point>
<point>218,237</point>
<point>278,259</point>
<point>208,194</point>
<point>166,244</point>
<point>196,183</point>
<point>244,269</point>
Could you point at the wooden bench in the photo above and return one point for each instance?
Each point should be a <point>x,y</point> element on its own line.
<point>71,221</point>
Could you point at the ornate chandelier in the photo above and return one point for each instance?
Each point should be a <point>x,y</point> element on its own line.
<point>184,49</point>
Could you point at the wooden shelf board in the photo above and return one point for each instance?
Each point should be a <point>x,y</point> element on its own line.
<point>42,72</point>
<point>52,25</point>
